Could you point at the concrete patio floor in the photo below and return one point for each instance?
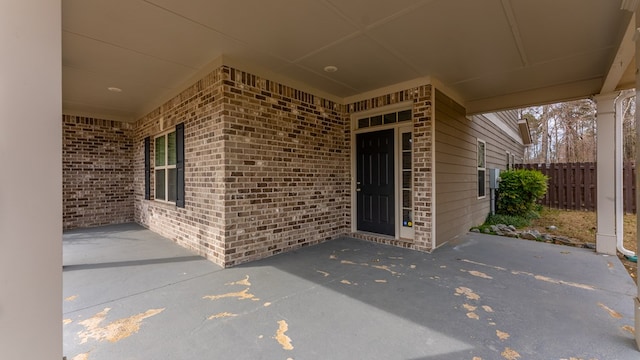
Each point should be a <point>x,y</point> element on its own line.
<point>131,294</point>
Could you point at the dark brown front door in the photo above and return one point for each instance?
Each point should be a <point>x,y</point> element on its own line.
<point>375,182</point>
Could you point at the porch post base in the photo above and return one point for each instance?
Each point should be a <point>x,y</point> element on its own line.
<point>606,244</point>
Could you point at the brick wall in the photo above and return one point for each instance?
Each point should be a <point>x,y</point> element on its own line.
<point>199,226</point>
<point>97,172</point>
<point>266,168</point>
<point>287,168</point>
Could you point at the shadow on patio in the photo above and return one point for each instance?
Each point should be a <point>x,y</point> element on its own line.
<point>135,295</point>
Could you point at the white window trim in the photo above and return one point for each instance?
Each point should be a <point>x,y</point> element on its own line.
<point>509,162</point>
<point>166,167</point>
<point>484,169</point>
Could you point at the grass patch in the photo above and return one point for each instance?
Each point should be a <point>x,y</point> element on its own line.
<point>517,221</point>
<point>581,225</point>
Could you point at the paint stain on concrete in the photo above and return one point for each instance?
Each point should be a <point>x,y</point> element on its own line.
<point>537,277</point>
<point>472,315</point>
<point>267,304</point>
<point>71,298</point>
<point>502,335</point>
<point>469,307</point>
<point>347,262</point>
<point>554,281</point>
<point>66,321</point>
<point>240,295</point>
<point>612,313</point>
<point>482,264</point>
<point>324,273</point>
<point>84,356</point>
<point>244,282</point>
<point>510,354</point>
<point>221,315</point>
<point>477,274</point>
<point>609,264</point>
<point>380,281</point>
<point>346,282</point>
<point>385,268</point>
<point>281,337</point>
<point>487,308</point>
<point>629,329</point>
<point>115,331</point>
<point>468,293</point>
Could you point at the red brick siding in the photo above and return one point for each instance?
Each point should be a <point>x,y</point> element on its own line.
<point>199,226</point>
<point>97,172</point>
<point>286,168</point>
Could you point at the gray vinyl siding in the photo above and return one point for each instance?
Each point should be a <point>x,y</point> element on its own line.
<point>457,205</point>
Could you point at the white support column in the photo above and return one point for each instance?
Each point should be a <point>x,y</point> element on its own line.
<point>609,175</point>
<point>31,180</point>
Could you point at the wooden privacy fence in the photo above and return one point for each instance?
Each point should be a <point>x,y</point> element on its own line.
<point>572,186</point>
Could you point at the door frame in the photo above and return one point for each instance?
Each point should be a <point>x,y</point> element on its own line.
<point>399,128</point>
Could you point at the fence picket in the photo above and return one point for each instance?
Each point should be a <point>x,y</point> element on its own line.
<point>572,186</point>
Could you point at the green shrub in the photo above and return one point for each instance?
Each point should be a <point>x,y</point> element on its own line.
<point>518,192</point>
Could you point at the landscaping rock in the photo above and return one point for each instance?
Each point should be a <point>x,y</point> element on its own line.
<point>552,228</point>
<point>475,230</point>
<point>487,231</point>
<point>528,235</point>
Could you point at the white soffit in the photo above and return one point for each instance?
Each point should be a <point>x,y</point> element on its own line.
<point>491,54</point>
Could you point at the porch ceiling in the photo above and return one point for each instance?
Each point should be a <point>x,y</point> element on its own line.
<point>491,54</point>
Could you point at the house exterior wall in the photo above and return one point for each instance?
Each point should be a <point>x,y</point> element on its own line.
<point>457,205</point>
<point>199,226</point>
<point>286,176</point>
<point>266,168</point>
<point>421,106</point>
<point>97,172</point>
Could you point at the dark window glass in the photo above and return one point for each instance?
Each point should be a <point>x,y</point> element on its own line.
<point>160,185</point>
<point>406,179</point>
<point>390,118</point>
<point>406,160</point>
<point>406,141</point>
<point>481,183</point>
<point>404,115</point>
<point>406,198</point>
